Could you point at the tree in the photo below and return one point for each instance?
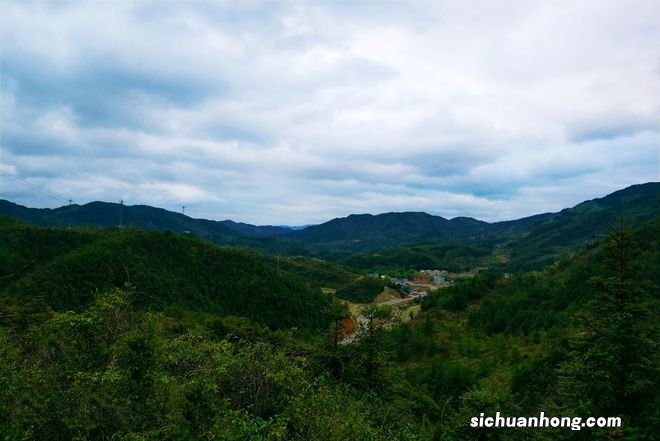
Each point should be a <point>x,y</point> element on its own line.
<point>612,368</point>
<point>371,321</point>
<point>338,311</point>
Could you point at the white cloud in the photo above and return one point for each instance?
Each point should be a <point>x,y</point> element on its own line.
<point>299,112</point>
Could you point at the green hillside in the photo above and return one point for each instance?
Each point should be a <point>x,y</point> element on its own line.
<point>390,240</point>
<point>106,214</point>
<point>573,228</point>
<point>365,232</point>
<point>316,272</point>
<point>62,269</point>
<point>577,339</point>
<point>453,256</point>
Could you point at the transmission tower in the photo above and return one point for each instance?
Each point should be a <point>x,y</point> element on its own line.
<point>121,213</point>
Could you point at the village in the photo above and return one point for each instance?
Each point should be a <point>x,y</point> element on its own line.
<point>403,300</point>
<point>421,283</point>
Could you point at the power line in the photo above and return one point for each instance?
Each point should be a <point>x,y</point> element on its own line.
<point>35,187</point>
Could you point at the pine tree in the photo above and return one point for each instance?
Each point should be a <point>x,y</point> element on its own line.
<point>612,369</point>
<point>337,311</point>
<point>370,337</point>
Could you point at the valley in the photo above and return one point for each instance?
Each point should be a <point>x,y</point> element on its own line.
<point>260,333</point>
<point>312,220</point>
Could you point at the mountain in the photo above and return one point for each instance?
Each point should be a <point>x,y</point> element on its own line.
<point>531,242</point>
<point>526,243</point>
<point>62,268</point>
<point>158,362</point>
<point>257,230</point>
<point>106,214</point>
<point>518,225</point>
<point>589,221</point>
<point>366,231</point>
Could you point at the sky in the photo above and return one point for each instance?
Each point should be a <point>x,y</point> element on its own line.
<point>299,112</point>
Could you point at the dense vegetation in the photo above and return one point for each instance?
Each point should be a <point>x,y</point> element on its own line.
<point>458,296</point>
<point>585,223</point>
<point>579,338</point>
<point>362,290</point>
<point>316,272</point>
<point>61,269</point>
<point>365,232</point>
<point>126,334</point>
<point>110,372</point>
<point>454,257</point>
<point>389,241</point>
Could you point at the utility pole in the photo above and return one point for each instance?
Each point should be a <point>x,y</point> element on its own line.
<point>121,213</point>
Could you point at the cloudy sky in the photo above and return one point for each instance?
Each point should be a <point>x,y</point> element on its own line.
<point>298,112</point>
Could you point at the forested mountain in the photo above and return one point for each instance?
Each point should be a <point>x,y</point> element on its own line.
<point>370,242</point>
<point>140,334</point>
<point>61,269</point>
<point>455,256</point>
<point>526,243</point>
<point>257,230</point>
<point>367,231</point>
<point>578,338</point>
<point>573,228</point>
<point>161,360</point>
<point>106,214</point>
<point>570,227</point>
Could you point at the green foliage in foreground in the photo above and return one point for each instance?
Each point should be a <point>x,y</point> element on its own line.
<point>614,364</point>
<point>579,338</point>
<point>110,372</point>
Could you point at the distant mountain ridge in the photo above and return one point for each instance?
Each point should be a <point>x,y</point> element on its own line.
<point>389,229</point>
<point>257,230</point>
<point>537,238</point>
<point>588,221</point>
<point>363,229</point>
<point>107,214</point>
